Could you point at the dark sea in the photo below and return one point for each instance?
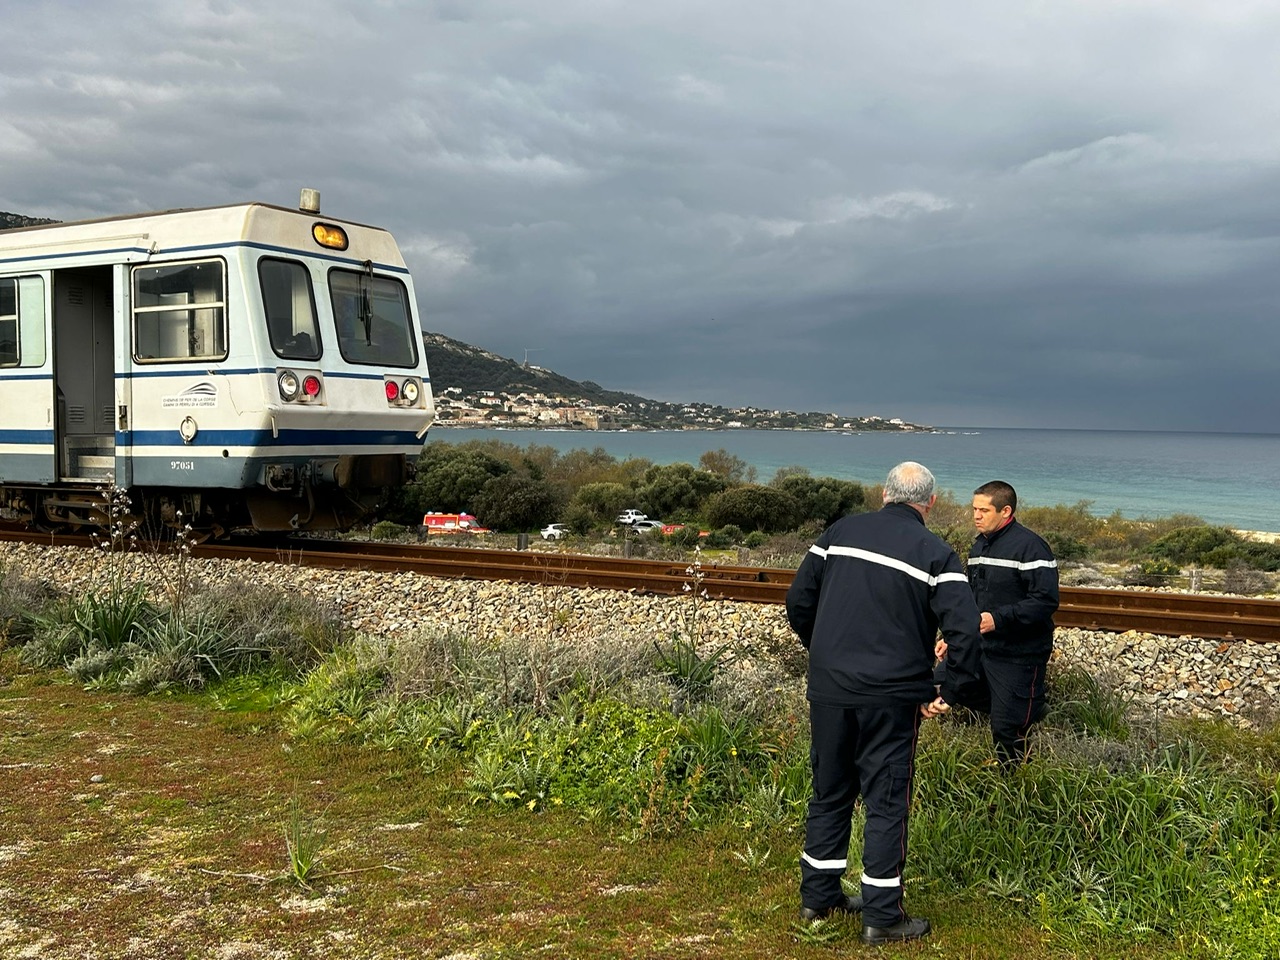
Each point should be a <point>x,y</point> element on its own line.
<point>1226,478</point>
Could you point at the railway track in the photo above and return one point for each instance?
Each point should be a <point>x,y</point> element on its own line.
<point>1171,614</point>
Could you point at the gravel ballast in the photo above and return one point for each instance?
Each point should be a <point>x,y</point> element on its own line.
<point>1170,676</point>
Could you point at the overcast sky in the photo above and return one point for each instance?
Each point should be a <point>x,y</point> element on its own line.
<point>984,214</point>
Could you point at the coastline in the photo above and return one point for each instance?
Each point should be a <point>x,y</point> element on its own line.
<point>1224,479</point>
<point>1260,536</point>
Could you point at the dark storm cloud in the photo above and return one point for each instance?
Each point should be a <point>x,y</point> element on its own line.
<point>1059,215</point>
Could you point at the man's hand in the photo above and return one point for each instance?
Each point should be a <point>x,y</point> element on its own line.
<point>986,623</point>
<point>940,649</point>
<point>935,709</point>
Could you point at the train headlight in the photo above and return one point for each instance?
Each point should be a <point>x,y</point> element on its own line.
<point>311,387</point>
<point>288,382</point>
<point>410,392</point>
<point>393,391</point>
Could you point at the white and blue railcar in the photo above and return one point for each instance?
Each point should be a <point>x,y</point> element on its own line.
<point>250,367</point>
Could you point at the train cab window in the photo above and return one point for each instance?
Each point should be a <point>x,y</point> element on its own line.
<point>290,309</point>
<point>22,327</point>
<point>180,311</point>
<point>374,322</point>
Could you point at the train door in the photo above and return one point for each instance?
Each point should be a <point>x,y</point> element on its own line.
<point>26,381</point>
<point>84,373</point>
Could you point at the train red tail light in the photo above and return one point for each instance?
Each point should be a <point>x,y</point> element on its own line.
<point>311,386</point>
<point>393,391</point>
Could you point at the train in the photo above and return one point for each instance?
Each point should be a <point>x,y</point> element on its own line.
<point>244,368</point>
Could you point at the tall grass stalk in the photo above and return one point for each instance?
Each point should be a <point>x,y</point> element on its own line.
<point>303,840</point>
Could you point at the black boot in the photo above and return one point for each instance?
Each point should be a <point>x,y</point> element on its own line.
<point>912,928</point>
<point>846,905</point>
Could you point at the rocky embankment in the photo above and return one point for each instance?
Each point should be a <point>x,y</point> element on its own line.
<point>1183,676</point>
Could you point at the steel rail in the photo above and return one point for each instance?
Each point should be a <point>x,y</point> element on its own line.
<point>1170,614</point>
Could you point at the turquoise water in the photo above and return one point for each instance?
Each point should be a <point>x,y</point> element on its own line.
<point>1226,478</point>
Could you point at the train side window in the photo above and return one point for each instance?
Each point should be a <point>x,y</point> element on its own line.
<point>290,308</point>
<point>22,328</point>
<point>180,311</point>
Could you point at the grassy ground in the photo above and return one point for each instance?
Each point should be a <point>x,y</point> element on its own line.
<point>155,827</point>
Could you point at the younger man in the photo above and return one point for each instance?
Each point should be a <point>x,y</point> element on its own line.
<point>1014,578</point>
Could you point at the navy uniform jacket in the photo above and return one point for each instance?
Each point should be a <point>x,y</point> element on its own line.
<point>1014,577</point>
<point>868,601</point>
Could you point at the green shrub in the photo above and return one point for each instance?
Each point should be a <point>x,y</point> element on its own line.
<point>677,490</point>
<point>579,518</point>
<point>1247,553</point>
<point>722,540</point>
<point>688,537</point>
<point>1152,572</point>
<point>601,502</point>
<point>753,507</point>
<point>1188,545</point>
<point>387,530</point>
<point>1065,547</point>
<point>186,653</point>
<point>755,539</point>
<point>823,500</point>
<point>514,501</point>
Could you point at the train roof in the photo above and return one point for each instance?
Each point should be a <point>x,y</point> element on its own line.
<point>182,229</point>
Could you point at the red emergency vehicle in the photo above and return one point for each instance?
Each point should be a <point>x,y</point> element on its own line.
<point>452,523</point>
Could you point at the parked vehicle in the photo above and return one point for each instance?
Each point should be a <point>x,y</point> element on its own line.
<point>554,531</point>
<point>630,516</point>
<point>670,528</point>
<point>452,523</point>
<point>645,526</point>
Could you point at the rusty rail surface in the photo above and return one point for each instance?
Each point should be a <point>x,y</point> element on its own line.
<point>1171,614</point>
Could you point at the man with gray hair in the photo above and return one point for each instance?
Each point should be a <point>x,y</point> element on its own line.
<point>867,602</point>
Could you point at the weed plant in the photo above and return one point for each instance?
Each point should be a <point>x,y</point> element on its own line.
<point>303,839</point>
<point>117,637</point>
<point>23,601</point>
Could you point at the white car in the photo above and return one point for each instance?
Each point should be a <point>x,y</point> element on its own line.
<point>554,531</point>
<point>645,526</point>
<point>630,516</point>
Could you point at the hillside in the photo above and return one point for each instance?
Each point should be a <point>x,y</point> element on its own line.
<point>457,364</point>
<point>10,220</point>
<point>524,389</point>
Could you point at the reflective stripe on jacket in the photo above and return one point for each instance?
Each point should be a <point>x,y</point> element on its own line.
<point>868,601</point>
<point>1014,577</point>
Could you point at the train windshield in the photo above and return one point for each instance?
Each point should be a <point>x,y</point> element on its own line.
<point>375,324</point>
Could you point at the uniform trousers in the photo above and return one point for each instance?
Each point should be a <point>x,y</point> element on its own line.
<point>1017,701</point>
<point>1014,695</point>
<point>867,752</point>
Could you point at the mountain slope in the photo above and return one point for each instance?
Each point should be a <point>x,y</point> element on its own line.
<point>457,364</point>
<point>10,220</point>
